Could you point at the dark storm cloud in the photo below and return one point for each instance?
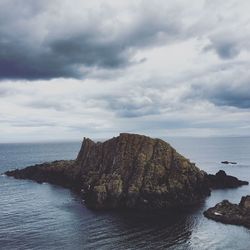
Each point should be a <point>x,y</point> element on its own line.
<point>39,42</point>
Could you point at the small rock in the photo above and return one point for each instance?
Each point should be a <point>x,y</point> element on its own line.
<point>229,213</point>
<point>229,162</point>
<point>221,180</point>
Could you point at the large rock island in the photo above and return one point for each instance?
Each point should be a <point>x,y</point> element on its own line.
<point>128,171</point>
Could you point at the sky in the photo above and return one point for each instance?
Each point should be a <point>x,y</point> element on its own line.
<point>74,68</point>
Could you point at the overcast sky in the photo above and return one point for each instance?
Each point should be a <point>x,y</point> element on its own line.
<point>74,68</point>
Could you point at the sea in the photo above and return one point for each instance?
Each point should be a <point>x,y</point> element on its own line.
<point>44,216</point>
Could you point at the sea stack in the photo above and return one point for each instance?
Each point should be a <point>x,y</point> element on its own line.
<point>135,171</point>
<point>128,171</point>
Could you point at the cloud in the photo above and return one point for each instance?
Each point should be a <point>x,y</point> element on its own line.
<point>227,45</point>
<point>71,109</point>
<point>3,92</point>
<point>101,67</point>
<point>224,49</point>
<point>44,39</point>
<point>227,28</point>
<point>226,86</point>
<point>231,95</point>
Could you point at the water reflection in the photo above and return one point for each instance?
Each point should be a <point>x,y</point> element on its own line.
<point>140,230</point>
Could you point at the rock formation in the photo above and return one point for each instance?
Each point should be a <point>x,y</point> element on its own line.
<point>135,171</point>
<point>63,173</point>
<point>229,162</point>
<point>128,171</point>
<point>221,180</point>
<point>229,213</point>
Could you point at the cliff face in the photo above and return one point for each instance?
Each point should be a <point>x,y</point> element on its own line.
<point>128,171</point>
<point>134,171</point>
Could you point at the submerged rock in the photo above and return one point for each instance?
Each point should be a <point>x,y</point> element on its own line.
<point>128,171</point>
<point>221,180</point>
<point>229,213</point>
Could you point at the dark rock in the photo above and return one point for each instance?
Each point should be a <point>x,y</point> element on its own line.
<point>229,213</point>
<point>63,173</point>
<point>128,171</point>
<point>229,162</point>
<point>245,203</point>
<point>221,180</point>
<point>135,171</point>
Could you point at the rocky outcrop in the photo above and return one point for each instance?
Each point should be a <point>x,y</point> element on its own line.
<point>128,171</point>
<point>228,213</point>
<point>221,180</point>
<point>63,173</point>
<point>134,171</point>
<point>229,162</point>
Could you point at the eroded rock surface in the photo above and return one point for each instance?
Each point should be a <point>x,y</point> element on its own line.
<point>128,171</point>
<point>229,213</point>
<point>137,171</point>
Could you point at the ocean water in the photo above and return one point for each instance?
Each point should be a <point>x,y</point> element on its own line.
<point>44,216</point>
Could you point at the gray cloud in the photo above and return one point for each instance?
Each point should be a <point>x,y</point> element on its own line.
<point>38,40</point>
<point>229,86</point>
<point>28,123</point>
<point>49,104</point>
<point>225,50</point>
<point>132,105</point>
<point>238,96</point>
<point>226,46</point>
<point>3,92</point>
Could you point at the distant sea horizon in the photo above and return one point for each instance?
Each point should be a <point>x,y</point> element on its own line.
<point>65,140</point>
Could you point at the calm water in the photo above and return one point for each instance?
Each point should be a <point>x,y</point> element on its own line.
<point>43,216</point>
